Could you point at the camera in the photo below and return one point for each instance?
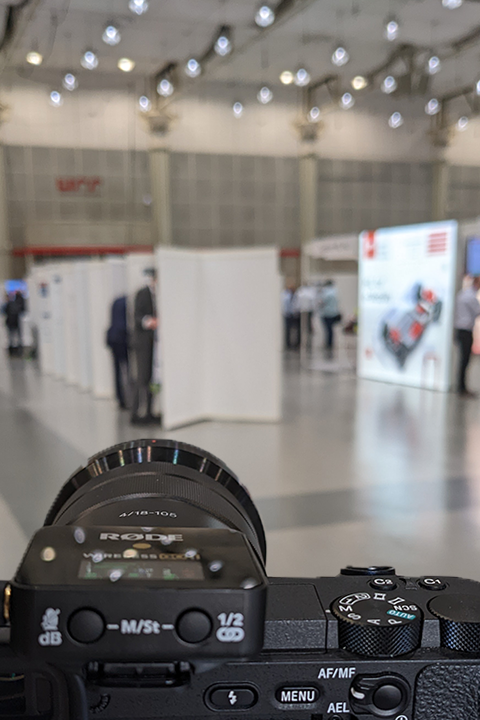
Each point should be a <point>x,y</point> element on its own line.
<point>144,596</point>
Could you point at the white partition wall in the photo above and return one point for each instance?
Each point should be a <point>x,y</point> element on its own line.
<point>220,330</point>
<point>72,350</point>
<point>42,301</point>
<point>57,286</point>
<point>81,283</point>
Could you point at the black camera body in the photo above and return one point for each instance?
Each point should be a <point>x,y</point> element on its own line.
<point>144,596</point>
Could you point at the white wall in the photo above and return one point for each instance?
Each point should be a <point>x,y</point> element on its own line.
<point>110,119</point>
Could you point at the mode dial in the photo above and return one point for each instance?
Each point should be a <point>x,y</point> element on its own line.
<point>377,624</point>
<point>459,621</point>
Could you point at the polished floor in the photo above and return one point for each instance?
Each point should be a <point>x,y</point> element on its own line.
<point>356,473</point>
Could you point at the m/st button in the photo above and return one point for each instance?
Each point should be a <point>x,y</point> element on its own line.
<point>297,695</point>
<point>231,698</point>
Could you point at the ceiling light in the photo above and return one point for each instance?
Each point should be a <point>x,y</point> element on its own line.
<point>347,101</point>
<point>340,57</point>
<point>89,60</point>
<point>302,77</point>
<point>452,4</point>
<point>395,120</point>
<point>56,98</point>
<point>111,35</point>
<point>193,68</point>
<point>223,44</point>
<point>432,107</point>
<point>165,88</point>
<point>265,95</point>
<point>237,109</point>
<point>359,82</point>
<point>70,82</point>
<point>434,65</point>
<point>264,17</point>
<point>314,114</point>
<point>144,103</point>
<point>389,85</point>
<point>138,6</point>
<point>286,77</point>
<point>477,87</point>
<point>391,30</point>
<point>125,65</point>
<point>462,123</point>
<point>34,58</point>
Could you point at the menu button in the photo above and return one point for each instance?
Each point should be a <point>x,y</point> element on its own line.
<point>297,695</point>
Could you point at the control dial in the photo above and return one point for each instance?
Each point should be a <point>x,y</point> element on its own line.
<point>459,621</point>
<point>377,624</point>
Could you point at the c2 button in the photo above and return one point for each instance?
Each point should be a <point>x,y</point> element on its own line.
<point>231,698</point>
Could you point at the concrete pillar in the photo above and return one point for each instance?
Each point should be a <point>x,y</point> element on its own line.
<point>6,260</point>
<point>308,201</point>
<point>440,179</point>
<point>161,200</point>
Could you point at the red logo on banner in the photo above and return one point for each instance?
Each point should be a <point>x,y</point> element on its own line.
<point>437,242</point>
<point>73,184</point>
<point>369,245</point>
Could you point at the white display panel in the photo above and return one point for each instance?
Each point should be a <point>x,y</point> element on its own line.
<point>220,327</point>
<point>406,301</point>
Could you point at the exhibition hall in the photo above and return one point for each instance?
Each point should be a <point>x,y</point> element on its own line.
<point>240,350</point>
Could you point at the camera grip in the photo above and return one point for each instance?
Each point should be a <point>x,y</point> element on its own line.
<point>448,691</point>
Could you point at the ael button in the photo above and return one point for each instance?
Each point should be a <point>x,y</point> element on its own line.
<point>231,698</point>
<point>382,696</point>
<point>86,626</point>
<point>372,570</point>
<point>194,626</point>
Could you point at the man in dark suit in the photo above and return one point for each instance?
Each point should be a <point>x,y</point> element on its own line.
<point>145,324</point>
<point>117,341</point>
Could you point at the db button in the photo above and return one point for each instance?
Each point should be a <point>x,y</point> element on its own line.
<point>231,697</point>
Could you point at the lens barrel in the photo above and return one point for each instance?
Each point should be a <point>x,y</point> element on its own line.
<point>153,470</point>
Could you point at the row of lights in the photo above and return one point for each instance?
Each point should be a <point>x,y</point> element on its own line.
<point>111,36</point>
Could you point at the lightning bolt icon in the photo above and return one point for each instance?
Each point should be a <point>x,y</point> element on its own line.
<point>232,697</point>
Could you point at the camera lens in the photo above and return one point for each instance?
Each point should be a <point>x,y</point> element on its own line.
<point>158,483</point>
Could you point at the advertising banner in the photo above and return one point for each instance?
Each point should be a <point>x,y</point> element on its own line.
<point>406,302</point>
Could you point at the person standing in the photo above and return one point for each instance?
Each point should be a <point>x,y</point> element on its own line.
<point>145,324</point>
<point>12,310</point>
<point>291,318</point>
<point>330,313</point>
<point>117,341</point>
<point>467,309</point>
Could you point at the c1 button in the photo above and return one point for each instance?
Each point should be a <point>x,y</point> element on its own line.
<point>86,626</point>
<point>231,698</point>
<point>380,583</point>
<point>432,583</point>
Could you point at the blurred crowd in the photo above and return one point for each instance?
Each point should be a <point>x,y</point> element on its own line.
<point>303,305</point>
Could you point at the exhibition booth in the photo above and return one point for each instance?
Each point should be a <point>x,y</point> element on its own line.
<point>218,346</point>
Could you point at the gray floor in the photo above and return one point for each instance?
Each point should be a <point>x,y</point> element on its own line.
<point>357,473</point>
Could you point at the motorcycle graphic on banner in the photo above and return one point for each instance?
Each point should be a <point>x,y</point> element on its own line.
<point>406,301</point>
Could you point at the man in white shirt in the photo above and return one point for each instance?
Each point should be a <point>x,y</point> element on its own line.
<point>467,309</point>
